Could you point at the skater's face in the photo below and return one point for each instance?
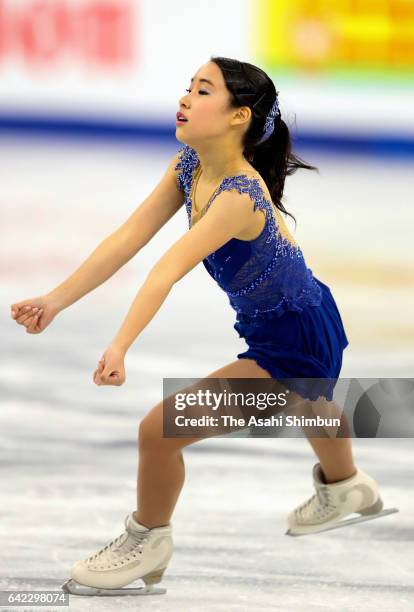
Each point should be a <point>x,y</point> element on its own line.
<point>206,107</point>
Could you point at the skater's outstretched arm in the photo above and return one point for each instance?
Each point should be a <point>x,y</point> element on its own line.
<point>110,255</point>
<point>229,214</point>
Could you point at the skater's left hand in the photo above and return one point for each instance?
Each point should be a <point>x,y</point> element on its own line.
<point>111,369</point>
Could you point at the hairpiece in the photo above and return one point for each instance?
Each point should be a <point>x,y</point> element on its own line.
<point>269,125</point>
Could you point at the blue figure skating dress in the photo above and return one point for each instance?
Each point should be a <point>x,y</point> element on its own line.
<point>288,318</point>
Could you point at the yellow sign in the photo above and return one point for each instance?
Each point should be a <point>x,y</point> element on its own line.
<point>335,36</point>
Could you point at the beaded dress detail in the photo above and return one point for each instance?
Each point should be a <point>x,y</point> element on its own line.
<point>266,278</point>
<point>267,275</point>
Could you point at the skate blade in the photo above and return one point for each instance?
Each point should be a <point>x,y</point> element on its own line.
<point>74,588</point>
<point>345,523</point>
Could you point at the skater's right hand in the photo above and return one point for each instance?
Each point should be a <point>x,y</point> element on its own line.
<point>35,314</point>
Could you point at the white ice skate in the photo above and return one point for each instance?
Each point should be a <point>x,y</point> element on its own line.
<point>138,553</point>
<point>332,502</point>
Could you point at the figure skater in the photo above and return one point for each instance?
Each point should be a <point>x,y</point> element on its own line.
<point>230,174</point>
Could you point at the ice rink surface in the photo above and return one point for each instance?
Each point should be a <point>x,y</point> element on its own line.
<point>68,447</point>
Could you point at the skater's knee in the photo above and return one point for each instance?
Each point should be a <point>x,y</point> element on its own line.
<point>151,433</point>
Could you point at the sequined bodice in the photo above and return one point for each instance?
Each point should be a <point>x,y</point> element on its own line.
<point>262,277</point>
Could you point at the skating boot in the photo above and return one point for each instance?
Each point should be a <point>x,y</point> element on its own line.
<point>332,502</point>
<point>138,553</point>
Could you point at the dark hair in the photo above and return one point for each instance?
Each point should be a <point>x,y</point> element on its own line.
<point>273,159</point>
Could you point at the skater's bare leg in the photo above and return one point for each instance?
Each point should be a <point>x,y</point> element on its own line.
<point>161,469</point>
<point>160,480</point>
<point>334,453</point>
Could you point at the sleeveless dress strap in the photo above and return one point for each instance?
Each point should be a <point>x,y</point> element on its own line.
<point>187,164</point>
<point>250,185</point>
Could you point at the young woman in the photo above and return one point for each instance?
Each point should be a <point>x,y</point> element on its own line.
<point>230,175</point>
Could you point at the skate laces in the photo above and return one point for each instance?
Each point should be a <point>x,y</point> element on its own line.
<point>128,543</point>
<point>320,503</point>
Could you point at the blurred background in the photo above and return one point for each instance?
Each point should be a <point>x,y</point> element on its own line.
<point>88,95</point>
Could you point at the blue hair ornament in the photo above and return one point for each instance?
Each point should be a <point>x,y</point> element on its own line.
<point>269,125</point>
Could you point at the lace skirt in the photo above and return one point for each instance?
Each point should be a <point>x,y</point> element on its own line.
<point>300,345</point>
